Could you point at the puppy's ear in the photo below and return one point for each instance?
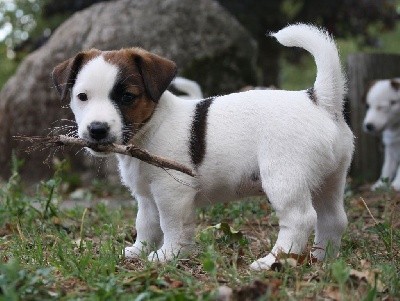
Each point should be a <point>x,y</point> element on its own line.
<point>64,74</point>
<point>366,90</point>
<point>395,83</point>
<point>157,72</point>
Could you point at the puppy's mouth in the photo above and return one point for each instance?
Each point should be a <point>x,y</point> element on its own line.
<point>97,135</point>
<point>372,129</point>
<point>110,139</point>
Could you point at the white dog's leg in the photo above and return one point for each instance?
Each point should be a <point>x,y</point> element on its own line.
<point>149,234</point>
<point>331,216</point>
<point>396,181</point>
<point>178,222</point>
<point>388,170</point>
<point>297,217</point>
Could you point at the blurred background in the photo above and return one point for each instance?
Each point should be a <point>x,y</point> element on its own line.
<point>220,44</point>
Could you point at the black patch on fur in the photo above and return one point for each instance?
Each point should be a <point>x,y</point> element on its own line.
<point>311,95</point>
<point>197,143</point>
<point>255,177</point>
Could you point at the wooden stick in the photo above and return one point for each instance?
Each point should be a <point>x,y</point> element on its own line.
<point>129,150</point>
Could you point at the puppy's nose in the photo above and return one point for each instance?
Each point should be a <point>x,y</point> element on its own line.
<point>98,130</point>
<point>369,127</point>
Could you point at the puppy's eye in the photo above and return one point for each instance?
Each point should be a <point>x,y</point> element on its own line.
<point>128,98</point>
<point>393,102</point>
<point>367,106</point>
<point>82,96</point>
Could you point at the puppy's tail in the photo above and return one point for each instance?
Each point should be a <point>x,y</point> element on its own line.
<point>330,85</point>
<point>191,88</point>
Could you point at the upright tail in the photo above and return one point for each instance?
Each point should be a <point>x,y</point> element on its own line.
<point>190,87</point>
<point>330,84</point>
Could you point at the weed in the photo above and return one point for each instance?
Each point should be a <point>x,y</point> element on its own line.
<point>50,253</point>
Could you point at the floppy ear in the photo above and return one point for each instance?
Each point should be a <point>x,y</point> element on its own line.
<point>64,74</point>
<point>157,72</point>
<point>366,90</point>
<point>395,83</point>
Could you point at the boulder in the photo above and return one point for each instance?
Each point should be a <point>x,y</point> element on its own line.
<point>205,41</point>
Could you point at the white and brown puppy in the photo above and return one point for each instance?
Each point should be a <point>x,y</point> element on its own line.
<point>293,146</point>
<point>383,116</point>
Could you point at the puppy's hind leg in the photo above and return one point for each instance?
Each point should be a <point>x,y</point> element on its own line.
<point>331,216</point>
<point>149,234</point>
<point>290,196</point>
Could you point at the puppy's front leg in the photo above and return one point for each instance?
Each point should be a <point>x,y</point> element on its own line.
<point>149,234</point>
<point>177,219</point>
<point>388,169</point>
<point>396,181</point>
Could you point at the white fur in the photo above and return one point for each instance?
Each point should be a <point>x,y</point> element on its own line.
<point>301,151</point>
<point>383,116</point>
<point>190,87</point>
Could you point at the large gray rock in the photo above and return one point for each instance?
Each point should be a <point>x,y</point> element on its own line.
<point>205,41</point>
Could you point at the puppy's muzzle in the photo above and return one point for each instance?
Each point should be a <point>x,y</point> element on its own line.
<point>369,127</point>
<point>99,131</point>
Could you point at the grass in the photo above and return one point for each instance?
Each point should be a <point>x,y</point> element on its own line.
<point>51,253</point>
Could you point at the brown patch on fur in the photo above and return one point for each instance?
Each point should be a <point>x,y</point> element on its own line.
<point>395,84</point>
<point>64,74</point>
<point>367,88</point>
<point>146,76</point>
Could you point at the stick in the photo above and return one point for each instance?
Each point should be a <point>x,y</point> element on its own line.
<point>129,150</point>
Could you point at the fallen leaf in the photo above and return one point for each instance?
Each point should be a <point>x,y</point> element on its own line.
<point>369,276</point>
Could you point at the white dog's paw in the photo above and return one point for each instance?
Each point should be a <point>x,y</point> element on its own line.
<point>380,184</point>
<point>396,186</point>
<point>166,254</point>
<point>134,251</point>
<point>264,263</point>
<point>163,255</point>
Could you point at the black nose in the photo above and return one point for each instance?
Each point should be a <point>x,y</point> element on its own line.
<point>98,130</point>
<point>370,127</point>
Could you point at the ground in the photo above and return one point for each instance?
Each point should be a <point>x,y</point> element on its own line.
<point>53,249</point>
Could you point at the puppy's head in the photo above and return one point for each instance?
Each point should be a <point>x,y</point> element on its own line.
<point>383,105</point>
<point>112,93</point>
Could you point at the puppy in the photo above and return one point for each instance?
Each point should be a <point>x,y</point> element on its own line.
<point>191,89</point>
<point>293,146</point>
<point>383,116</point>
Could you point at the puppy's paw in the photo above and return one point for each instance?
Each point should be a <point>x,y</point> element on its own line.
<point>135,251</point>
<point>166,254</point>
<point>162,255</point>
<point>396,186</point>
<point>264,263</point>
<point>380,184</point>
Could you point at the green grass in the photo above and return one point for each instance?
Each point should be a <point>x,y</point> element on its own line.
<point>49,253</point>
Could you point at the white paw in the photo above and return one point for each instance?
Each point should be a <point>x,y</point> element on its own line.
<point>135,251</point>
<point>379,185</point>
<point>264,263</point>
<point>396,186</point>
<point>166,254</point>
<point>162,255</point>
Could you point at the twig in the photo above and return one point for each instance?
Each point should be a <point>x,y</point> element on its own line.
<point>369,211</point>
<point>129,150</point>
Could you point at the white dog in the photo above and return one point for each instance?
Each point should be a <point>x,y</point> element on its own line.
<point>191,89</point>
<point>383,116</point>
<point>293,146</point>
